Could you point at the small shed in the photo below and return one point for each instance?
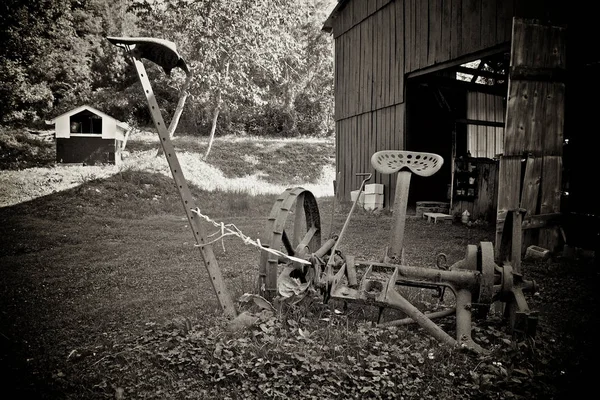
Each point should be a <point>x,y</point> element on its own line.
<point>89,136</point>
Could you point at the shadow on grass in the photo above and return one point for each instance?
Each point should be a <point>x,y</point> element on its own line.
<point>84,268</point>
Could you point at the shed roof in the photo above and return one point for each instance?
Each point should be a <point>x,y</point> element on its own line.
<point>91,109</point>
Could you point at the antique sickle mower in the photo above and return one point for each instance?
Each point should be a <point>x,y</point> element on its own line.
<point>302,260</point>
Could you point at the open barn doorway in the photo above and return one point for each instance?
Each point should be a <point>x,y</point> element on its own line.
<point>430,121</point>
<point>457,112</point>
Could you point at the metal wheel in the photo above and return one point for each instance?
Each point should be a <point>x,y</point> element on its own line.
<point>293,227</point>
<point>486,266</point>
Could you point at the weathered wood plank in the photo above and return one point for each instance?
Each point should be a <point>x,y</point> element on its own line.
<point>400,56</point>
<point>380,143</point>
<point>538,46</point>
<point>551,188</point>
<point>373,138</point>
<point>504,16</point>
<point>446,30</point>
<point>509,190</point>
<point>366,126</point>
<point>423,32</point>
<point>385,57</point>
<point>393,77</point>
<point>355,167</point>
<point>357,69</point>
<point>535,121</point>
<point>343,20</point>
<point>411,55</point>
<point>361,70</point>
<point>345,75</point>
<point>456,35</point>
<point>390,145</point>
<point>530,195</point>
<point>369,61</point>
<point>379,60</point>
<point>337,90</point>
<point>341,188</point>
<point>531,185</point>
<point>471,25</point>
<point>372,6</point>
<point>553,119</point>
<point>550,199</point>
<point>435,32</point>
<point>488,23</point>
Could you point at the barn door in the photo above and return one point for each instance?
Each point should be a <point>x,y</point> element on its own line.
<point>531,167</point>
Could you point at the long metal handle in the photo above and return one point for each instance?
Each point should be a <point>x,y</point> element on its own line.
<point>186,197</point>
<point>341,235</point>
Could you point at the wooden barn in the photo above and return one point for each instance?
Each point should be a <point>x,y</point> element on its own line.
<point>481,83</point>
<point>88,136</point>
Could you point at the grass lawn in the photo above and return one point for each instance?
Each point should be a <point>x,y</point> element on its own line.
<point>103,296</point>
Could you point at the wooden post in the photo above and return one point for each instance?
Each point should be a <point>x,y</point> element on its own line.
<point>517,238</point>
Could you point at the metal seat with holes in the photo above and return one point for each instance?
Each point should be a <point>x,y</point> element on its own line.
<point>404,163</point>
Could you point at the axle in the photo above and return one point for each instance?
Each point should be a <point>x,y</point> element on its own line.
<point>476,282</point>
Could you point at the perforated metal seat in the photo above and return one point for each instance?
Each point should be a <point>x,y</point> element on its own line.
<point>422,164</point>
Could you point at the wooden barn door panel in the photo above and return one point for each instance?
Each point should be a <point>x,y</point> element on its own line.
<point>531,166</point>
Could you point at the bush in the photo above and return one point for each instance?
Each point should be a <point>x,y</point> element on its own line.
<point>311,116</point>
<point>19,149</point>
<point>273,121</point>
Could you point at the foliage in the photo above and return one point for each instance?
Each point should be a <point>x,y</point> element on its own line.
<point>54,56</point>
<point>20,149</point>
<point>246,55</point>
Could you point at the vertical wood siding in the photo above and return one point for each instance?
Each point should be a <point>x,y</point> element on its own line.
<point>377,42</point>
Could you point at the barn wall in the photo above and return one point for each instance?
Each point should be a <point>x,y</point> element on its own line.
<point>360,136</point>
<point>369,76</point>
<point>441,30</point>
<point>376,44</point>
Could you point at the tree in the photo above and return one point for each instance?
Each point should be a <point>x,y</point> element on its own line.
<point>53,55</point>
<point>236,48</point>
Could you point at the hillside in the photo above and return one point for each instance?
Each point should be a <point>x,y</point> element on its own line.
<point>247,164</point>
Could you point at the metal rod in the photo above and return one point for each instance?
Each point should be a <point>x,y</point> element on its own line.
<point>406,321</point>
<point>331,259</point>
<point>458,278</point>
<point>463,321</point>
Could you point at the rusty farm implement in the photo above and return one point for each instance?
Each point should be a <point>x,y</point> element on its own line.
<point>294,257</point>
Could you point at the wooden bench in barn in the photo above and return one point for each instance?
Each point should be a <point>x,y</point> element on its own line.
<point>435,217</point>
